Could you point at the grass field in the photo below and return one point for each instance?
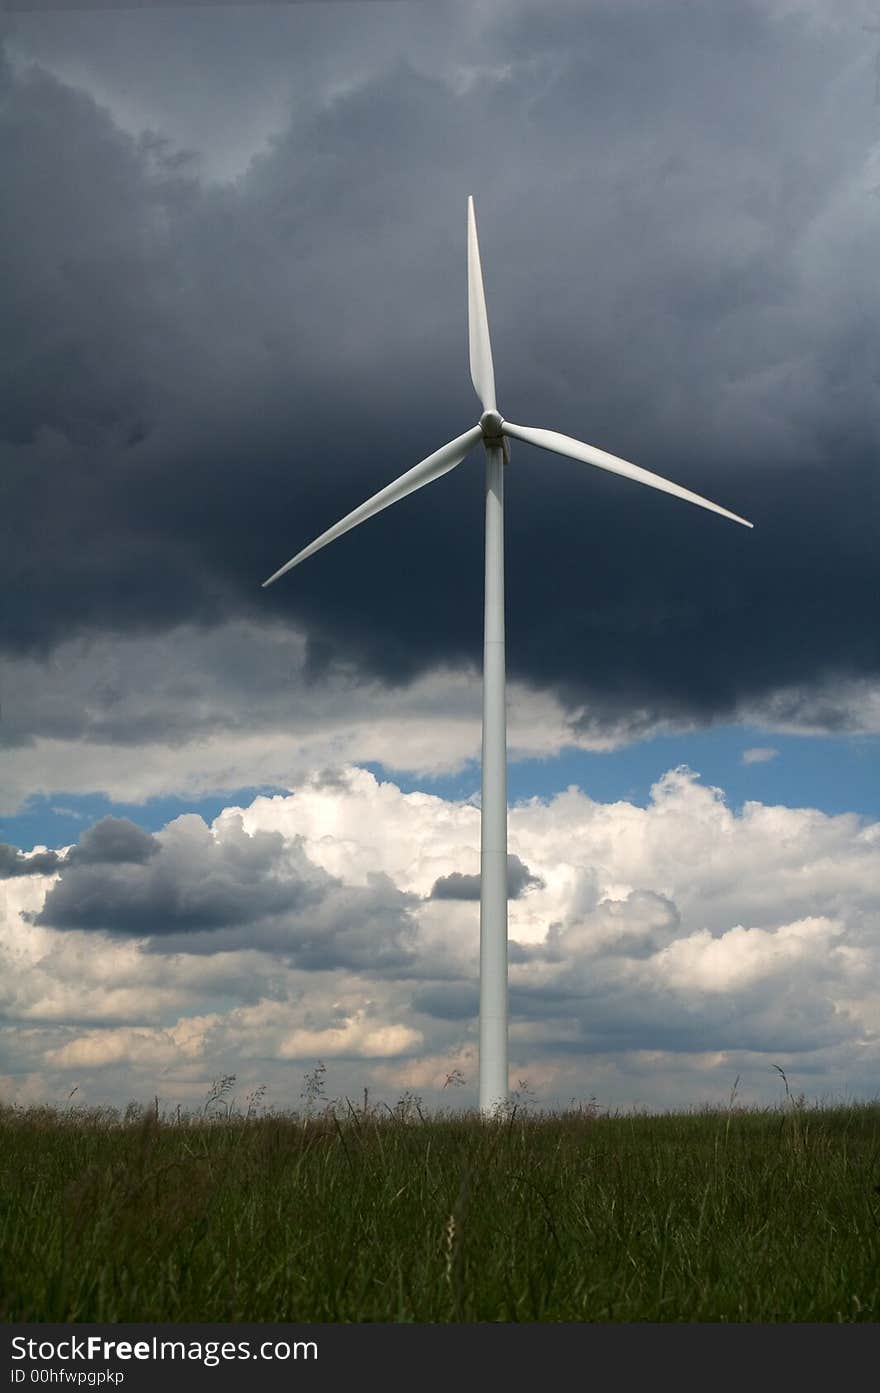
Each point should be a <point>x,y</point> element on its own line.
<point>731,1215</point>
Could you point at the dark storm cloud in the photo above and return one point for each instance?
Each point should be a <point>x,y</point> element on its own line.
<point>190,892</point>
<point>678,246</point>
<point>467,887</point>
<point>355,928</point>
<point>13,863</point>
<point>191,883</point>
<point>112,841</point>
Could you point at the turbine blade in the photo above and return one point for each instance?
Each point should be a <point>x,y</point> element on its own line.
<point>482,371</point>
<point>442,460</point>
<point>589,454</point>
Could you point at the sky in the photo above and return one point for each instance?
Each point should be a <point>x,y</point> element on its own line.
<point>239,828</point>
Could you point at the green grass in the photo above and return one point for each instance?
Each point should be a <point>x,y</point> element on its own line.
<point>735,1215</point>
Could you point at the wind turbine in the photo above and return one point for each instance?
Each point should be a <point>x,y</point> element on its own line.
<point>494,431</point>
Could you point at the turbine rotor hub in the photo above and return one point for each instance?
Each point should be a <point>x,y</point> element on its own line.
<point>491,423</point>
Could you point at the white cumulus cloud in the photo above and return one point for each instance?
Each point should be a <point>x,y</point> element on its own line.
<point>659,952</point>
<point>759,754</point>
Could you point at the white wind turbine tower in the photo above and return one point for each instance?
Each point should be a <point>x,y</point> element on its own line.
<point>493,430</point>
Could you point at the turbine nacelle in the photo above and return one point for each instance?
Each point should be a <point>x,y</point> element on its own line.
<point>492,426</point>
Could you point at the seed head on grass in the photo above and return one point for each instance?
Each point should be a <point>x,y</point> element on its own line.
<point>454,1079</point>
<point>218,1101</point>
<point>313,1087</point>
